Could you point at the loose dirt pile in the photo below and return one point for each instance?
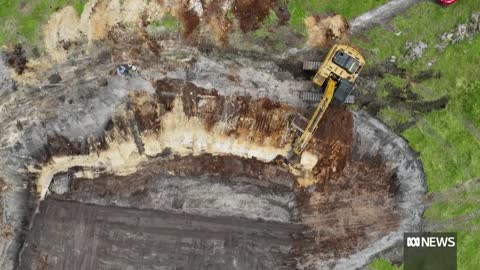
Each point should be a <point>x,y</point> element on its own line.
<point>251,13</point>
<point>348,213</point>
<point>196,17</point>
<point>325,30</point>
<point>334,144</point>
<point>16,59</point>
<point>61,30</point>
<point>259,121</point>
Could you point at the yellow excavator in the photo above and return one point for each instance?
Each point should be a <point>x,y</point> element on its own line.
<point>336,76</point>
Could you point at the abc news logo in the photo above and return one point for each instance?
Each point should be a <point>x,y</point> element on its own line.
<point>425,251</point>
<point>431,241</point>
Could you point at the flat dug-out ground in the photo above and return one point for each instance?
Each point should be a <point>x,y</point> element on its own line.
<point>73,235</point>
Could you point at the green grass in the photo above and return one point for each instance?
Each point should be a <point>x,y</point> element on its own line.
<point>168,22</point>
<point>451,209</point>
<point>390,81</point>
<point>392,117</point>
<point>265,28</point>
<point>382,264</point>
<point>24,25</point>
<point>425,22</point>
<point>468,250</point>
<point>299,9</point>
<point>448,140</point>
<point>449,149</point>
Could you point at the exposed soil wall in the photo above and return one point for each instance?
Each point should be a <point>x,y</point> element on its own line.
<point>181,122</point>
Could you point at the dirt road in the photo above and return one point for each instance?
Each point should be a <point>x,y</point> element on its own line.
<point>72,235</point>
<point>380,15</point>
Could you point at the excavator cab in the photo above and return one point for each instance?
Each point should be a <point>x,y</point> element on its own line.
<point>347,62</point>
<point>343,63</point>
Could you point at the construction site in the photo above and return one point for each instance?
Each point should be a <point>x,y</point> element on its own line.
<point>124,148</point>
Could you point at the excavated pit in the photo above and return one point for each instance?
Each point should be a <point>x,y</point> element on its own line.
<point>195,157</point>
<point>172,167</point>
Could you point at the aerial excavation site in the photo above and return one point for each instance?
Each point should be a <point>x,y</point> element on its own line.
<point>239,134</point>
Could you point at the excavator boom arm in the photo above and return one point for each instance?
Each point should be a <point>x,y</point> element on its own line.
<point>312,126</point>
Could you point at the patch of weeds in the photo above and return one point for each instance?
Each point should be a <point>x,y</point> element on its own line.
<point>393,117</point>
<point>390,83</point>
<point>425,22</point>
<point>24,23</point>
<point>382,264</point>
<point>449,152</point>
<point>264,31</point>
<point>168,22</point>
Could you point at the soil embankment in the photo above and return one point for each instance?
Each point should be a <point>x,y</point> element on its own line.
<point>200,153</point>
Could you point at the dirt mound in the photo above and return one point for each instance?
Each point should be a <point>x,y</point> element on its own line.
<point>214,15</point>
<point>61,30</point>
<point>16,59</point>
<point>333,143</point>
<point>346,214</point>
<point>324,30</point>
<point>250,13</point>
<point>195,16</point>
<point>255,120</point>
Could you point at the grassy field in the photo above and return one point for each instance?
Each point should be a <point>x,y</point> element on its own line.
<point>21,20</point>
<point>299,9</point>
<point>448,140</point>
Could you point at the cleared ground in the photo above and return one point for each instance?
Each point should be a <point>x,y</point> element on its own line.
<point>71,235</point>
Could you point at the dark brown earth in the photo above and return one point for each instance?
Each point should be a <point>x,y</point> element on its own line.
<point>353,203</point>
<point>259,118</point>
<point>16,59</point>
<point>251,13</point>
<point>333,143</point>
<point>72,235</point>
<point>348,212</point>
<point>227,168</point>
